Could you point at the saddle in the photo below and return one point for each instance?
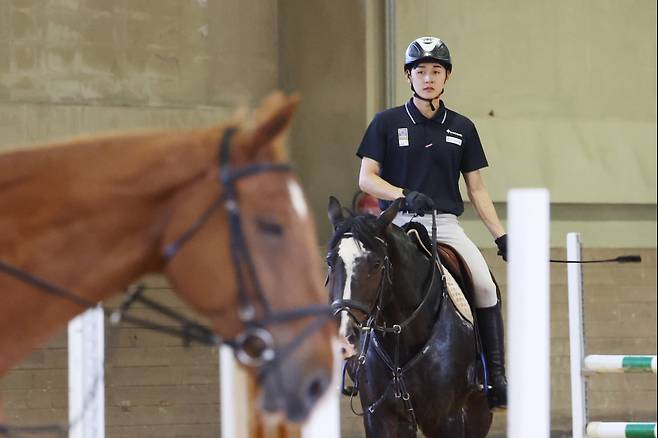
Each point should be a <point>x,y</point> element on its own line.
<point>458,276</point>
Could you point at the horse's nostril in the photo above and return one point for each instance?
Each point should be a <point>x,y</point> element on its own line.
<point>343,350</point>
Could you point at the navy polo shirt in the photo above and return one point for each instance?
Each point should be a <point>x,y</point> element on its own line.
<point>426,155</point>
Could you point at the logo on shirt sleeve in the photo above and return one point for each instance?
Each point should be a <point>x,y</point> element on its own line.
<point>403,137</point>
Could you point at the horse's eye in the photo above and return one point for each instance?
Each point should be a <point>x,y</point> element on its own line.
<point>269,227</point>
<point>374,261</point>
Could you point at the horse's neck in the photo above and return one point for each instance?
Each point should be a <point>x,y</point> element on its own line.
<point>411,275</point>
<point>87,217</point>
<point>92,196</point>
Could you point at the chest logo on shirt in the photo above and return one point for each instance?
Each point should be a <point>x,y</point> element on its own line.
<point>453,137</point>
<point>403,137</point>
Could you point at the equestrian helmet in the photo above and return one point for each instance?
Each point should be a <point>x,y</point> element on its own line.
<point>427,49</point>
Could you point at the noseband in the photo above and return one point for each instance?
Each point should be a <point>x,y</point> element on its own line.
<point>372,312</point>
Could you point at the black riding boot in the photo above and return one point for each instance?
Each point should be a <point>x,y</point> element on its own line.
<point>490,323</point>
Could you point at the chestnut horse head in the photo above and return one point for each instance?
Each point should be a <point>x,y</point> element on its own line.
<point>217,210</point>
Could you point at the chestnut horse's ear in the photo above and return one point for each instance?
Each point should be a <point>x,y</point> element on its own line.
<point>385,219</point>
<point>335,212</point>
<point>272,121</point>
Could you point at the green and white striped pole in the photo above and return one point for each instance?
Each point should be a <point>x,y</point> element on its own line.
<point>621,430</point>
<point>598,363</point>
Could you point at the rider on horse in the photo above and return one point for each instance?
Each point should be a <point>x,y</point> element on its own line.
<point>417,151</point>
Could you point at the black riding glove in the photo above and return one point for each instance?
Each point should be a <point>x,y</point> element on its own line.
<point>501,243</point>
<point>417,202</point>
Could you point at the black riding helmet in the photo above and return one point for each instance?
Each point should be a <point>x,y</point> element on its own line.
<point>426,49</point>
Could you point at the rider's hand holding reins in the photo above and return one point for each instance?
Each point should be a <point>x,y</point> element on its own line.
<point>501,243</point>
<point>417,202</point>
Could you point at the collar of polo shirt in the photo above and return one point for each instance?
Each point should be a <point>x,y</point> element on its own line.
<point>417,117</point>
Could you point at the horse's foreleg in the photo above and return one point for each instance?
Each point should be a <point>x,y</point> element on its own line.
<point>451,426</point>
<point>478,416</point>
<point>386,424</point>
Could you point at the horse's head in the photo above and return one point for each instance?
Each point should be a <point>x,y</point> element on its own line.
<point>359,270</point>
<point>246,258</point>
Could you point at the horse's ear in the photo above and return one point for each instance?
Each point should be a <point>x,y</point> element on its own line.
<point>385,219</point>
<point>272,121</point>
<point>335,212</point>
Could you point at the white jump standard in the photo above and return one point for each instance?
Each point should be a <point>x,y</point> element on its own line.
<point>528,313</point>
<point>583,365</point>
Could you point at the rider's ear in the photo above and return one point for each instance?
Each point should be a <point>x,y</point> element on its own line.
<point>385,219</point>
<point>335,212</point>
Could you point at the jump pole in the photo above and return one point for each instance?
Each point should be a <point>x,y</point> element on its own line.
<point>86,351</point>
<point>528,317</point>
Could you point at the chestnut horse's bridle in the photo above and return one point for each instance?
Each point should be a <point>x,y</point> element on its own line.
<point>254,347</point>
<point>256,331</point>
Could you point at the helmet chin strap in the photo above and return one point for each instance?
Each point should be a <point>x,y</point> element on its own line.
<point>432,107</point>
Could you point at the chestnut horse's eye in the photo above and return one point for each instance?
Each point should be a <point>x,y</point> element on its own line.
<point>269,227</point>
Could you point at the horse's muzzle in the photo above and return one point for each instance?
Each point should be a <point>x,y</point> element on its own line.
<point>286,393</point>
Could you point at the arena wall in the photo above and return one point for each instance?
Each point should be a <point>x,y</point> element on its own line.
<point>72,67</point>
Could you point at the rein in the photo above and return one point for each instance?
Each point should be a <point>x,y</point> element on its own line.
<point>370,327</point>
<point>266,357</point>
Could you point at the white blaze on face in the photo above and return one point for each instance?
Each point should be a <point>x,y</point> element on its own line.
<point>297,196</point>
<point>349,249</point>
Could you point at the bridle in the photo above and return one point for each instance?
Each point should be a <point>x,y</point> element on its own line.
<point>256,331</point>
<point>371,327</point>
<point>254,346</point>
<point>373,312</point>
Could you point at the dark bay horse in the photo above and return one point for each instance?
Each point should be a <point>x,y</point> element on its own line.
<point>417,354</point>
<point>217,210</point>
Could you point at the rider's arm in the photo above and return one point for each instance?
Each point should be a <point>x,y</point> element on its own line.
<point>481,200</point>
<point>371,183</point>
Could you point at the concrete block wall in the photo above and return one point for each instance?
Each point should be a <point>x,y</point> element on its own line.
<point>79,66</point>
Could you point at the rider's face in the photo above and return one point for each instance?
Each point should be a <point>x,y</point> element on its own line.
<point>428,79</point>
